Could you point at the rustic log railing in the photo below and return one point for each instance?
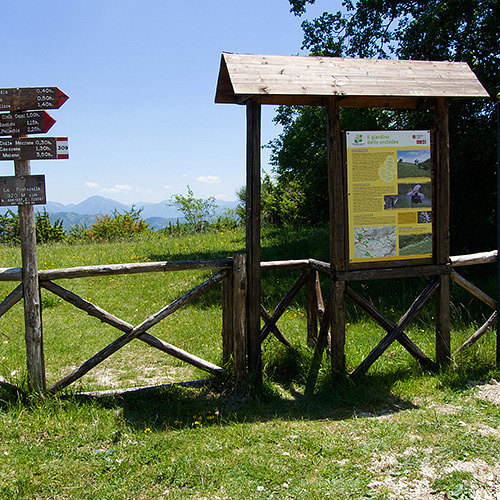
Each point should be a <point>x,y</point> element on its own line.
<point>235,342</point>
<point>225,273</point>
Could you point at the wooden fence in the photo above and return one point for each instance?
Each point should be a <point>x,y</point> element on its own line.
<point>231,273</point>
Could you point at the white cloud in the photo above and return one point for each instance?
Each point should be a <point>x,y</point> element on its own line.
<point>92,185</point>
<point>210,179</point>
<point>117,188</point>
<point>167,186</point>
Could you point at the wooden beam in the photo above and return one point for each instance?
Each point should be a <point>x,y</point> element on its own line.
<point>253,238</point>
<point>32,308</point>
<point>442,230</point>
<point>338,239</point>
<point>240,315</point>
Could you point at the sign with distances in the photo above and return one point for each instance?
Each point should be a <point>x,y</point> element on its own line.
<point>31,98</point>
<point>27,148</point>
<point>22,190</point>
<point>22,123</point>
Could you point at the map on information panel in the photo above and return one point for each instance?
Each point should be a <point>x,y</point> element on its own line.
<point>389,176</point>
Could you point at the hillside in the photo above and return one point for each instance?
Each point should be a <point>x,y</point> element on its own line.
<point>157,215</point>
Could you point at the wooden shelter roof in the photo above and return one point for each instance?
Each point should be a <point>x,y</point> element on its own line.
<point>358,82</point>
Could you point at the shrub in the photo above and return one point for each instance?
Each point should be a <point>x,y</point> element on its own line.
<point>46,232</point>
<point>119,225</point>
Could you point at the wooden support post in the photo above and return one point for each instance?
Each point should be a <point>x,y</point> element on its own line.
<point>239,319</point>
<point>442,231</point>
<point>336,187</point>
<point>32,313</point>
<point>227,319</point>
<point>312,307</point>
<point>253,238</point>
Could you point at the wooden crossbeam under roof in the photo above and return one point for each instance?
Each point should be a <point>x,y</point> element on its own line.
<point>304,80</point>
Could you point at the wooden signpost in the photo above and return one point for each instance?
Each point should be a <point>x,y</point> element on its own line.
<point>24,190</point>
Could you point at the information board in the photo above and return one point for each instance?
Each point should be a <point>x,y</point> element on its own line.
<point>22,190</point>
<point>389,184</point>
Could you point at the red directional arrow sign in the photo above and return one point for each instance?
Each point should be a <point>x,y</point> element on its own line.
<point>20,99</point>
<point>22,123</point>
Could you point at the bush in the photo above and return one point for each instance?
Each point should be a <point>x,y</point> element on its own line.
<point>46,232</point>
<point>114,227</point>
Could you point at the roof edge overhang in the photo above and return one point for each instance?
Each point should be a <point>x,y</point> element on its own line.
<point>304,80</point>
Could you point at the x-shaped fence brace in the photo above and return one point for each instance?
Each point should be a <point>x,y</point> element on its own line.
<point>131,332</point>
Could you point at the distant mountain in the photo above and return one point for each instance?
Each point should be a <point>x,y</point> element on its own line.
<point>157,215</point>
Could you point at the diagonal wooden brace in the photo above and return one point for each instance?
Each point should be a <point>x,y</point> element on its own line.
<point>388,326</point>
<point>393,335</point>
<point>137,331</point>
<point>280,308</point>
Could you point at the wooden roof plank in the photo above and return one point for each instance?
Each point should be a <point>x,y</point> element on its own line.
<point>308,79</point>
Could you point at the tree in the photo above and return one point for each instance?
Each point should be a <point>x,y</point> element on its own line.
<point>457,30</point>
<point>197,211</point>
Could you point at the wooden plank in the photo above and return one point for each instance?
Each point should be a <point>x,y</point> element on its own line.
<point>397,272</point>
<point>268,76</point>
<point>415,308</point>
<point>253,238</point>
<point>136,331</point>
<point>473,289</point>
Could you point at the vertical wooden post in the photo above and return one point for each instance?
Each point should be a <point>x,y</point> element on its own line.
<point>336,187</point>
<point>312,308</point>
<point>442,230</point>
<point>498,228</point>
<point>253,237</point>
<point>239,315</point>
<point>228,315</point>
<point>32,313</point>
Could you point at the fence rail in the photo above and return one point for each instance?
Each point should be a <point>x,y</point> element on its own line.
<point>232,273</point>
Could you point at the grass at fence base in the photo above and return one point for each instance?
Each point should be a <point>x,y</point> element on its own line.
<point>398,432</point>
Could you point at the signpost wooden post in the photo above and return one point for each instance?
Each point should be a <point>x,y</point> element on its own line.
<point>25,190</point>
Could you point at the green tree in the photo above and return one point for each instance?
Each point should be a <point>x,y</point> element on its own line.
<point>459,30</point>
<point>197,211</point>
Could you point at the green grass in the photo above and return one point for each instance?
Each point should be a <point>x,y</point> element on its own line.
<point>398,432</point>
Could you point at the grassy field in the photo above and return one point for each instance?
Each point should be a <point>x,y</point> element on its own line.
<point>397,433</point>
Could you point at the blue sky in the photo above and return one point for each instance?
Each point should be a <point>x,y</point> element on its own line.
<point>141,77</point>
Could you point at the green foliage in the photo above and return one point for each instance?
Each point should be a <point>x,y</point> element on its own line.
<point>197,211</point>
<point>46,232</point>
<point>114,227</point>
<point>9,227</point>
<point>461,30</point>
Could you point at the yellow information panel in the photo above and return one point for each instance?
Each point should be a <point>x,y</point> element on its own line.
<point>389,195</point>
